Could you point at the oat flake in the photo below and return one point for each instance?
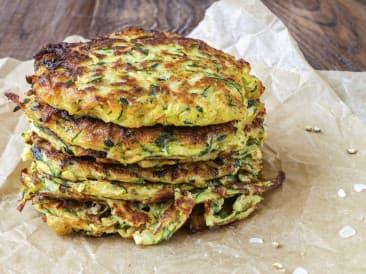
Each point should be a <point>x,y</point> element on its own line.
<point>352,151</point>
<point>309,128</point>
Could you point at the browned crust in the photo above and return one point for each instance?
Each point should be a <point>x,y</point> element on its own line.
<point>136,218</point>
<point>59,66</point>
<point>174,174</point>
<point>99,131</point>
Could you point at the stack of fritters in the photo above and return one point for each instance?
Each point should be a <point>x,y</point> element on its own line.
<point>139,133</point>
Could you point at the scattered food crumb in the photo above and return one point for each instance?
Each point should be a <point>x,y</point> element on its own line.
<point>341,193</point>
<point>300,270</point>
<point>256,240</point>
<point>276,244</point>
<point>279,267</point>
<point>352,151</point>
<point>309,128</point>
<point>359,187</point>
<point>347,231</point>
<point>20,196</point>
<point>317,129</point>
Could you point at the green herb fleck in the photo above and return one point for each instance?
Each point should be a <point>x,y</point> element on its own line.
<point>69,210</point>
<point>206,92</point>
<point>140,181</point>
<point>214,76</point>
<point>124,101</point>
<point>207,148</point>
<point>167,233</point>
<point>199,108</point>
<point>164,139</point>
<point>95,78</point>
<point>97,64</point>
<point>221,138</point>
<point>232,84</point>
<point>55,173</point>
<point>230,101</point>
<point>26,100</point>
<point>68,83</point>
<point>16,109</point>
<point>108,142</point>
<point>120,114</point>
<point>154,65</point>
<point>237,163</point>
<point>216,207</point>
<point>76,136</point>
<point>116,183</point>
<point>107,50</point>
<point>194,46</point>
<point>141,49</point>
<point>68,150</point>
<point>163,78</point>
<point>180,52</point>
<point>251,103</point>
<point>48,211</point>
<point>253,89</point>
<point>154,90</point>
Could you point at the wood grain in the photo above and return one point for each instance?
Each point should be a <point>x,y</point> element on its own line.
<point>26,25</point>
<point>330,33</point>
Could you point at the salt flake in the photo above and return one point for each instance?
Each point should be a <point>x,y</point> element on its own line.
<point>341,193</point>
<point>256,240</point>
<point>347,231</point>
<point>359,187</point>
<point>300,270</point>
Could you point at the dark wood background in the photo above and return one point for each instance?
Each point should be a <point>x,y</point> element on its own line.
<point>331,33</point>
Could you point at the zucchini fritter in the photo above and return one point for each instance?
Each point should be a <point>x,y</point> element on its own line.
<point>54,163</point>
<point>137,78</point>
<point>151,223</point>
<point>132,145</point>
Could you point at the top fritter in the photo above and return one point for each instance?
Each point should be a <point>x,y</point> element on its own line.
<point>135,78</point>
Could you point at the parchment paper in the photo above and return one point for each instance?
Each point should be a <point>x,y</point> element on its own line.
<point>304,216</point>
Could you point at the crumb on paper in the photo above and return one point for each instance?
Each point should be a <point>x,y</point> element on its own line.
<point>352,151</point>
<point>347,232</point>
<point>300,270</point>
<point>276,244</point>
<point>309,128</point>
<point>359,187</point>
<point>255,240</point>
<point>317,130</point>
<point>341,193</point>
<point>279,267</point>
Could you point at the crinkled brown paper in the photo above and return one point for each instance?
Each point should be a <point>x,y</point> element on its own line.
<point>304,215</point>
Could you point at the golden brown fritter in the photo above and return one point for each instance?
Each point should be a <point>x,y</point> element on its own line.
<point>137,78</point>
<point>54,163</point>
<point>129,146</point>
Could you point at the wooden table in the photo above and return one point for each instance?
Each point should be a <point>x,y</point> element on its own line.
<point>331,33</point>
